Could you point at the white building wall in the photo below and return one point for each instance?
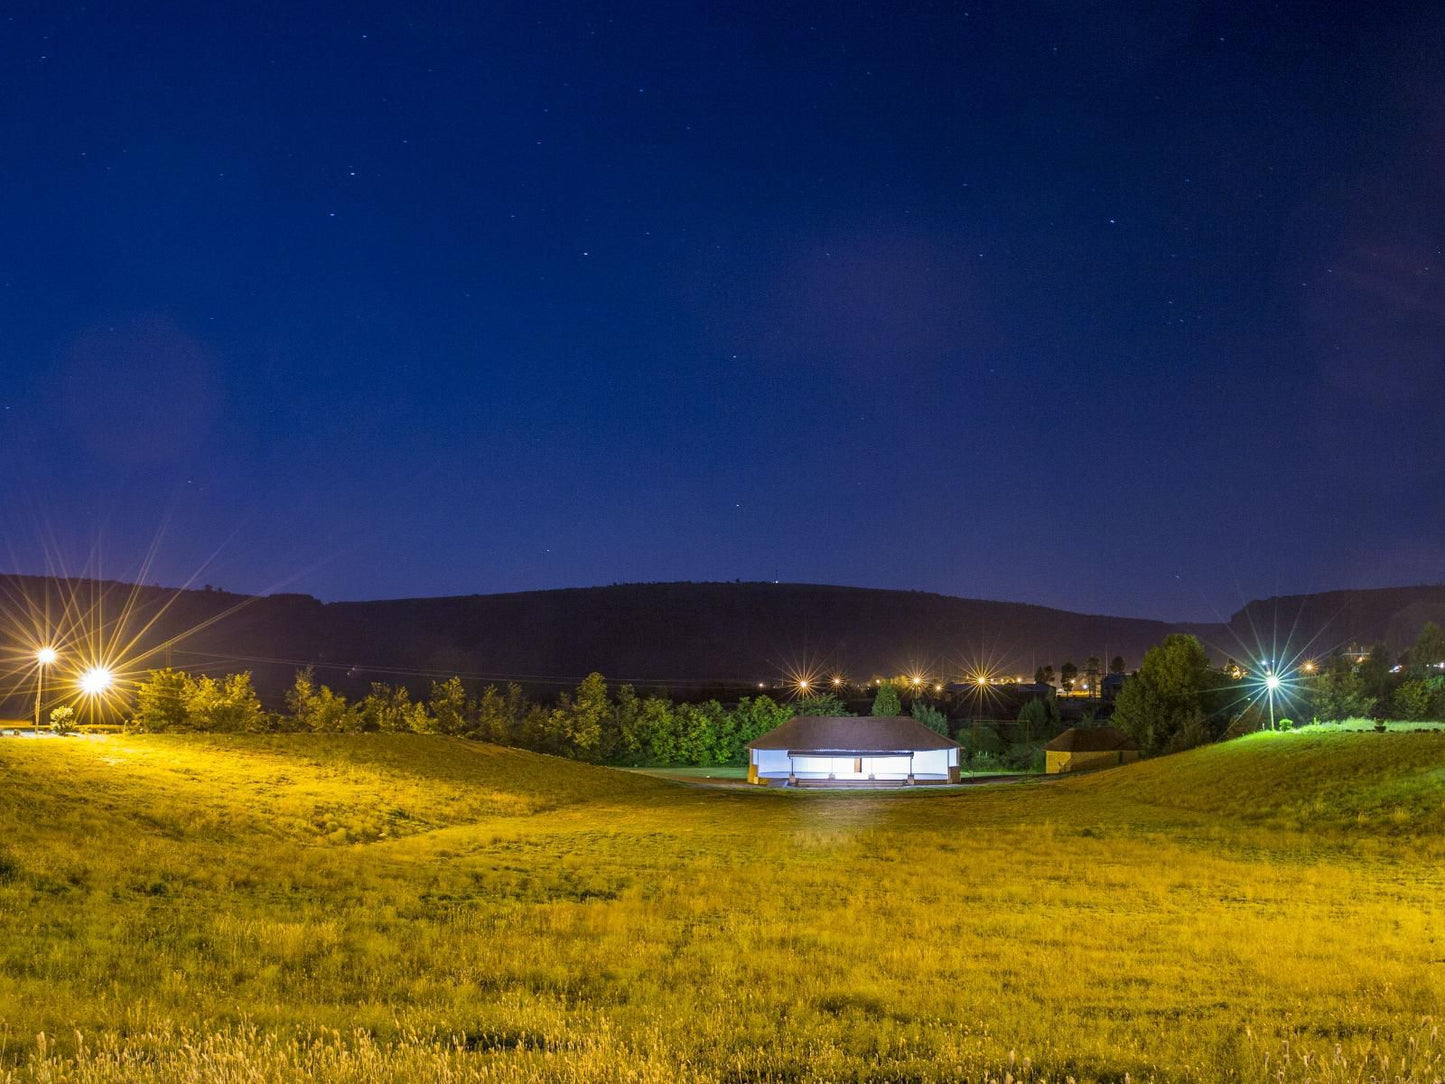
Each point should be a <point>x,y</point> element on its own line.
<point>777,763</point>
<point>933,761</point>
<point>770,761</point>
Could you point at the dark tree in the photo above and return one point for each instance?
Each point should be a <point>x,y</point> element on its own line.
<point>885,701</point>
<point>1067,673</point>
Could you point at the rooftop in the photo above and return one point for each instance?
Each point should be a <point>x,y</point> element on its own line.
<point>853,734</point>
<point>1090,739</point>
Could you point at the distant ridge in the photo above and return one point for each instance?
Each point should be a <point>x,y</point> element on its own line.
<point>681,635</point>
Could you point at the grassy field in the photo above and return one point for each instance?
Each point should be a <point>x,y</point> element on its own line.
<point>404,908</point>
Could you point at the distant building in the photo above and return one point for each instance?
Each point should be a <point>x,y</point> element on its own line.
<point>1083,748</point>
<point>823,750</point>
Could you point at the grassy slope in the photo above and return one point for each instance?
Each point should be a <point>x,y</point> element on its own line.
<point>1183,917</point>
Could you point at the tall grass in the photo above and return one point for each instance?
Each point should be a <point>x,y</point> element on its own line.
<point>396,907</point>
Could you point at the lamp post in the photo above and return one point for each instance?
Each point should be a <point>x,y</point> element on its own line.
<point>43,658</point>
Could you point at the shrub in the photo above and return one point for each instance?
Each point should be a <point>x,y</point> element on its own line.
<point>62,720</point>
<point>983,761</point>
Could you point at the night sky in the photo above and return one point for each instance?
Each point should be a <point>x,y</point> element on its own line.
<point>1125,308</point>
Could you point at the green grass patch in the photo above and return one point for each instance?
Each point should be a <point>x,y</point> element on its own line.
<point>400,907</point>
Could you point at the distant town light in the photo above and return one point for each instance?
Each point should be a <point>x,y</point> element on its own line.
<point>46,655</point>
<point>803,684</point>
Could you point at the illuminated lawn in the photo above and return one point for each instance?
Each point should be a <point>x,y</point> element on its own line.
<point>397,907</point>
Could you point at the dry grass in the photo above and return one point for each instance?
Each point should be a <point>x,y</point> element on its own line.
<point>401,908</point>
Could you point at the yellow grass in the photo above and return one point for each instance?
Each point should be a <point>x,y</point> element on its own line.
<point>399,907</point>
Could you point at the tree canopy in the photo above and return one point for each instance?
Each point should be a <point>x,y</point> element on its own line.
<point>886,702</point>
<point>1163,706</point>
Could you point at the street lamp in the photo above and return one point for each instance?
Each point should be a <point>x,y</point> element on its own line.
<point>1271,686</point>
<point>94,684</point>
<point>43,658</point>
<point>96,680</point>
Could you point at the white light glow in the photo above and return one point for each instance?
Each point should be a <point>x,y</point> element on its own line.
<point>46,655</point>
<point>96,681</point>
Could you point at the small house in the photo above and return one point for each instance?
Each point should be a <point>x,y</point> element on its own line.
<point>824,750</point>
<point>1083,748</point>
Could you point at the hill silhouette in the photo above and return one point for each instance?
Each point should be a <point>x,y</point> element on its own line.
<point>677,635</point>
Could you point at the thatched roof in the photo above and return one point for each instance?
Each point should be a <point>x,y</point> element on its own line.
<point>848,734</point>
<point>1090,739</point>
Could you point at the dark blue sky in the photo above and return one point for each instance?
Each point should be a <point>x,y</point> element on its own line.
<point>1122,310</point>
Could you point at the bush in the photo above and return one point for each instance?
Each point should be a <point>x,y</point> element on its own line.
<point>62,720</point>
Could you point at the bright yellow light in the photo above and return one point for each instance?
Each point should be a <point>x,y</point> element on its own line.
<point>46,655</point>
<point>917,681</point>
<point>803,684</point>
<point>837,681</point>
<point>96,681</point>
<point>1308,667</point>
<point>938,688</point>
<point>981,680</point>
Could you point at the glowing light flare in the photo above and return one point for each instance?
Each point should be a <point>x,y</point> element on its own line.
<point>46,656</point>
<point>96,681</point>
<point>1271,682</point>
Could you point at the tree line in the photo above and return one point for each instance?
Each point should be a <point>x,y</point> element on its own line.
<point>592,722</point>
<point>1177,699</point>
